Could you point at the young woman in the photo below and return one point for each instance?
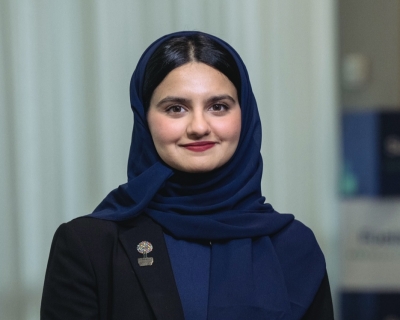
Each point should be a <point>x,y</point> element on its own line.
<point>189,236</point>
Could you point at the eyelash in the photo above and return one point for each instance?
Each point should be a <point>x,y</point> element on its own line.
<point>170,109</point>
<point>223,107</point>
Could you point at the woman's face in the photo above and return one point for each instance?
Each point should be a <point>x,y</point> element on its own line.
<point>194,118</point>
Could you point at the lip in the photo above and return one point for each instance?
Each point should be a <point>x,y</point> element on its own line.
<point>199,146</point>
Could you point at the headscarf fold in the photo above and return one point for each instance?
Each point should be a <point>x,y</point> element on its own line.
<point>247,278</point>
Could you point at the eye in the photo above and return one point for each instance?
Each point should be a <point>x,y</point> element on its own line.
<point>218,107</point>
<point>175,109</point>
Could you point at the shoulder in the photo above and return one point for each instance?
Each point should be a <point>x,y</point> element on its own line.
<point>95,235</point>
<point>299,254</point>
<point>86,225</point>
<point>94,227</point>
<point>86,229</point>
<point>295,235</point>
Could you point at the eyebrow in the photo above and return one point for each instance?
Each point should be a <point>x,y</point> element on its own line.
<point>221,97</point>
<point>172,99</point>
<point>184,100</point>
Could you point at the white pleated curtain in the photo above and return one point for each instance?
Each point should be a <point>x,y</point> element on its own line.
<point>65,119</point>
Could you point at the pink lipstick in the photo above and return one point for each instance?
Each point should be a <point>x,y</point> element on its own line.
<point>199,146</point>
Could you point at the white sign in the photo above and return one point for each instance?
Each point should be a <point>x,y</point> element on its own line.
<point>370,244</point>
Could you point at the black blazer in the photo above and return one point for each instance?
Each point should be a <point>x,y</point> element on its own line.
<point>93,273</point>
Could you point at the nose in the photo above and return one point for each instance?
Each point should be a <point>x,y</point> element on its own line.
<point>198,125</point>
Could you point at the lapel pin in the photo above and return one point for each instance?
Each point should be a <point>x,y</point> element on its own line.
<point>144,248</point>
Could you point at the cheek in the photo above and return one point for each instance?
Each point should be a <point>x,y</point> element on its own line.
<point>163,131</point>
<point>230,130</point>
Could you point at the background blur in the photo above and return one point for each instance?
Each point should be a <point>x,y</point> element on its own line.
<point>65,118</point>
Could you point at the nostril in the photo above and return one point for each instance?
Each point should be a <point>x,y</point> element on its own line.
<point>198,127</point>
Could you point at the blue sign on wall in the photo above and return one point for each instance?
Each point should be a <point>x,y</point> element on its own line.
<point>371,153</point>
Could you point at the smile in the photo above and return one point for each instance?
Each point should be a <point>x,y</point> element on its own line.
<point>199,146</point>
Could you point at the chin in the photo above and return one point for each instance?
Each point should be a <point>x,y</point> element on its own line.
<point>195,168</point>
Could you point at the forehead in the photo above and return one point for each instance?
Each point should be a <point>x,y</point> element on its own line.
<point>195,78</point>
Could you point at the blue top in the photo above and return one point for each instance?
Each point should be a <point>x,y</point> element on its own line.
<point>191,266</point>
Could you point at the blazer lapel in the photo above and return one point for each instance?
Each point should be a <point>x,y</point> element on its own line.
<point>158,279</point>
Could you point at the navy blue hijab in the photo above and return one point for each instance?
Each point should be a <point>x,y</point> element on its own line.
<point>264,265</point>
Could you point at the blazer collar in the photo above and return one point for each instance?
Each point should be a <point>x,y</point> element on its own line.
<point>157,280</point>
